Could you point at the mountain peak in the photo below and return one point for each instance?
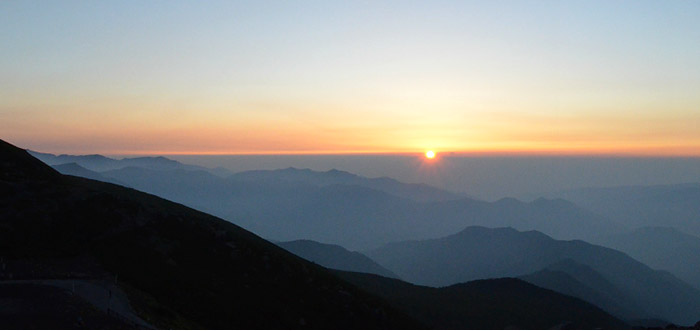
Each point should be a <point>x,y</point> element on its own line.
<point>476,231</point>
<point>151,158</point>
<point>508,201</point>
<point>508,231</point>
<point>335,171</point>
<point>74,169</point>
<point>294,169</point>
<point>88,156</point>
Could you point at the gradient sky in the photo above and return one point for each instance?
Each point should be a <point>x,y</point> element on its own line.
<point>158,77</point>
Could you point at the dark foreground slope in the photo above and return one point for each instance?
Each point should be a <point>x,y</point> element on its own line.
<point>30,306</point>
<point>181,268</point>
<point>505,303</point>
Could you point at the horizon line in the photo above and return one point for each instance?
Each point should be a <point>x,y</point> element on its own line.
<point>440,154</point>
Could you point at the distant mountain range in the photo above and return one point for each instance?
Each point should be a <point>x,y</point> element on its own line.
<point>341,208</point>
<point>100,163</point>
<point>75,169</point>
<point>660,248</point>
<point>676,206</point>
<point>581,281</point>
<point>335,257</point>
<point>352,215</point>
<point>415,192</point>
<point>477,253</point>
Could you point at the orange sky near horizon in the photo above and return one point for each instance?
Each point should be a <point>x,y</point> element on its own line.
<point>485,135</point>
<point>386,122</point>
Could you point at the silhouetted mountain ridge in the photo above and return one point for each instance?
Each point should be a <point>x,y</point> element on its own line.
<point>416,192</point>
<point>581,281</point>
<point>100,163</point>
<point>661,248</point>
<point>505,303</point>
<point>676,205</point>
<point>74,169</point>
<point>478,252</point>
<point>335,257</point>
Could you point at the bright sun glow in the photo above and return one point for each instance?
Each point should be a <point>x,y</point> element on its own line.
<point>430,154</point>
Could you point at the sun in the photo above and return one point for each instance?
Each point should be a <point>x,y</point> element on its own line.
<point>430,154</point>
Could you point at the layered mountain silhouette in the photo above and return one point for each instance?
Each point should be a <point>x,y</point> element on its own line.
<point>660,248</point>
<point>335,257</point>
<point>181,268</point>
<point>99,163</point>
<point>175,267</point>
<point>415,192</point>
<point>355,216</point>
<point>352,211</point>
<point>479,252</point>
<point>581,281</point>
<point>505,303</point>
<point>676,206</point>
<point>75,169</point>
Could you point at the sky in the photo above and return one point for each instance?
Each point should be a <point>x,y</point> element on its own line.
<point>317,77</point>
